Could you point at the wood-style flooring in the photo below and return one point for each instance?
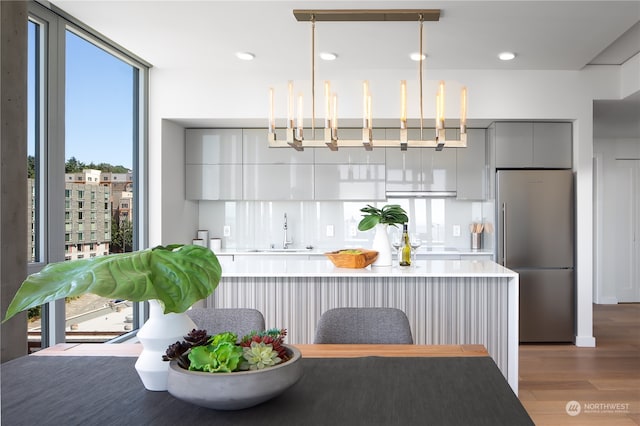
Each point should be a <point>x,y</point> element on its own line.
<point>604,381</point>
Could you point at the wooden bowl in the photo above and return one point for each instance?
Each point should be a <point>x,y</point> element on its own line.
<point>348,258</point>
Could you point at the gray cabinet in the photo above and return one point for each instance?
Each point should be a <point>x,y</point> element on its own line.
<point>274,182</point>
<point>404,170</point>
<point>471,170</point>
<point>349,182</point>
<point>238,164</point>
<point>420,169</point>
<point>350,174</point>
<point>552,145</point>
<point>514,144</point>
<point>213,169</point>
<point>213,146</point>
<point>256,149</point>
<point>533,144</point>
<point>491,161</point>
<point>439,169</point>
<point>213,181</point>
<point>352,155</point>
<point>275,173</point>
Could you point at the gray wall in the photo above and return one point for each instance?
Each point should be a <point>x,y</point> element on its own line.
<point>13,171</point>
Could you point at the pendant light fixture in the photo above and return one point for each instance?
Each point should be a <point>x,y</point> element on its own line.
<point>295,131</point>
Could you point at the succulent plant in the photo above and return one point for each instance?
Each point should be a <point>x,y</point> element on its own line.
<point>222,358</point>
<point>221,353</point>
<point>260,355</point>
<point>274,337</point>
<point>197,337</point>
<point>179,350</point>
<point>175,350</point>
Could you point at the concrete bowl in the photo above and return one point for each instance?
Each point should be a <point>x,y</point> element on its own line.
<point>234,391</point>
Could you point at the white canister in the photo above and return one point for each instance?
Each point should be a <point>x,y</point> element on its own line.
<point>215,244</point>
<point>199,242</point>
<point>203,235</point>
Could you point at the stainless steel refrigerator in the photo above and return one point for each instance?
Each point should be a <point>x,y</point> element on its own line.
<point>535,211</point>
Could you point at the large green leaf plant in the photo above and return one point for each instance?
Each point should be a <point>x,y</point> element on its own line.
<point>391,214</point>
<point>176,275</point>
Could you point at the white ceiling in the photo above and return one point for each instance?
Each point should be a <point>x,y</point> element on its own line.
<point>545,35</point>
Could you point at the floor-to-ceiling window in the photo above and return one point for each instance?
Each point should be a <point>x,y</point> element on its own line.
<point>35,168</point>
<point>87,126</point>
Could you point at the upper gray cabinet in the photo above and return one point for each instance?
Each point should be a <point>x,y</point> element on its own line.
<point>491,161</point>
<point>276,182</point>
<point>349,182</point>
<point>350,174</point>
<point>275,173</point>
<point>213,181</point>
<point>256,149</point>
<point>420,169</point>
<point>514,144</point>
<point>352,155</point>
<point>533,144</point>
<point>439,169</point>
<point>213,169</point>
<point>213,146</point>
<point>472,169</point>
<point>238,164</point>
<point>552,145</point>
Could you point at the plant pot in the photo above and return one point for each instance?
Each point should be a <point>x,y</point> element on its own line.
<point>160,331</point>
<point>237,390</point>
<point>382,245</point>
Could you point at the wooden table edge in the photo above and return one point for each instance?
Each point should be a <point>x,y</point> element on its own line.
<point>307,350</point>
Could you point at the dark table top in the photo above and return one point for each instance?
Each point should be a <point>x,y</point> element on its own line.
<point>332,391</point>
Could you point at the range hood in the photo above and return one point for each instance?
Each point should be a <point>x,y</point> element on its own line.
<point>421,194</point>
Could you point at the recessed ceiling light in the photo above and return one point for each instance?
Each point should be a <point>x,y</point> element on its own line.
<point>245,56</point>
<point>415,56</point>
<point>328,56</point>
<point>506,56</point>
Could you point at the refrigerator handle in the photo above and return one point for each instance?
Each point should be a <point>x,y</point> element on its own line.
<point>504,234</point>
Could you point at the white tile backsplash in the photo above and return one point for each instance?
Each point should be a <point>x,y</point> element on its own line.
<point>259,224</point>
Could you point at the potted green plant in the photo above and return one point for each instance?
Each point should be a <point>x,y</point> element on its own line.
<point>221,373</point>
<point>391,214</point>
<point>171,278</point>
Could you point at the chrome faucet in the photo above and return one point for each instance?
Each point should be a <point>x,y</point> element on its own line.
<point>285,242</point>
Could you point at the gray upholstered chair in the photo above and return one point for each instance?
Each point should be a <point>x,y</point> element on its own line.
<point>364,325</point>
<point>240,321</point>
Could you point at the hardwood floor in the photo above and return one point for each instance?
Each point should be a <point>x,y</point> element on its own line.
<point>604,380</point>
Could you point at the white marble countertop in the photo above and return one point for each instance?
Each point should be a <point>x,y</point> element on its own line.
<point>292,267</point>
<point>422,251</point>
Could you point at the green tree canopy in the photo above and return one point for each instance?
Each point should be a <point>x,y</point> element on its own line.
<point>74,166</point>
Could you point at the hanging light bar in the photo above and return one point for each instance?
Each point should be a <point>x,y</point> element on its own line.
<point>295,131</point>
<point>367,124</point>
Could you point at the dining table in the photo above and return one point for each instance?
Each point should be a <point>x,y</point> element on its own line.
<point>96,384</point>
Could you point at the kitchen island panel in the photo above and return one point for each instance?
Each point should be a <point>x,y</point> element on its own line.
<point>441,310</point>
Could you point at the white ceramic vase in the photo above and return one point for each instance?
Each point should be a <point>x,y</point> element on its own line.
<point>160,331</point>
<point>382,245</point>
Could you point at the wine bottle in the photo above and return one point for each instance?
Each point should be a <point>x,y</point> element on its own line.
<point>406,247</point>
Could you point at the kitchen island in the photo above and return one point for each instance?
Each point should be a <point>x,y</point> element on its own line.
<point>446,301</point>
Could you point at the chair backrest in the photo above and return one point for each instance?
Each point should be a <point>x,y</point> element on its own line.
<point>364,325</point>
<point>240,321</point>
